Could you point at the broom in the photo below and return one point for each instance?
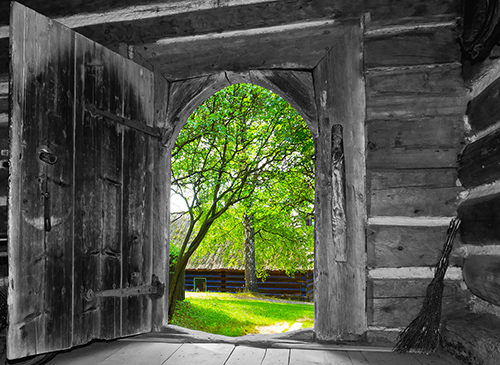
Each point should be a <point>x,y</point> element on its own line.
<point>422,334</point>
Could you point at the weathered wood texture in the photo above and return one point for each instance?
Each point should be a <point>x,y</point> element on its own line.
<point>434,45</point>
<point>479,161</point>
<point>415,91</point>
<point>289,48</point>
<point>415,116</point>
<point>340,286</point>
<point>482,276</point>
<point>412,178</point>
<point>383,12</point>
<point>83,222</point>
<point>296,87</point>
<point>473,338</point>
<point>483,111</point>
<point>414,202</point>
<point>480,221</point>
<point>393,246</point>
<point>395,303</point>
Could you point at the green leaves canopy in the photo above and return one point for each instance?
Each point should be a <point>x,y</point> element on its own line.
<point>247,150</point>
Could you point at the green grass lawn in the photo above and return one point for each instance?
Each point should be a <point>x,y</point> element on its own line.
<point>234,315</point>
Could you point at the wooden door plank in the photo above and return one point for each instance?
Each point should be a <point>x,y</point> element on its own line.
<point>160,206</point>
<point>110,98</point>
<point>40,278</point>
<point>88,233</point>
<point>137,198</point>
<point>201,354</point>
<point>276,357</point>
<point>59,176</point>
<point>246,355</point>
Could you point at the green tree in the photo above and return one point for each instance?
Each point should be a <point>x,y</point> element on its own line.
<point>232,146</point>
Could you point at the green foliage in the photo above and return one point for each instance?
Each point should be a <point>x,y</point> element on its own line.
<point>230,315</point>
<point>245,150</point>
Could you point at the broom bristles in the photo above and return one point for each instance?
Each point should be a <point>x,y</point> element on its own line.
<point>422,334</point>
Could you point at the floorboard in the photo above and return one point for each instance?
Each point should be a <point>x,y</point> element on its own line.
<point>357,358</point>
<point>276,357</point>
<point>201,354</point>
<point>114,353</point>
<point>131,352</point>
<point>246,355</point>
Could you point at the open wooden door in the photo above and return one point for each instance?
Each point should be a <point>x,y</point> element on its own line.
<point>88,195</point>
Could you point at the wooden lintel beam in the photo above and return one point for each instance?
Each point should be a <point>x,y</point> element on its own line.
<point>92,12</point>
<point>210,20</point>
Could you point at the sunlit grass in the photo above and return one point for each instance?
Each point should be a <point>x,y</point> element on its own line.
<point>237,314</point>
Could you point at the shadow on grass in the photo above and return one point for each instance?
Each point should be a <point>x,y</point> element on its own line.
<point>231,317</point>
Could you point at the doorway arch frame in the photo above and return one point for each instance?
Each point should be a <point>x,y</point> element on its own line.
<point>333,92</point>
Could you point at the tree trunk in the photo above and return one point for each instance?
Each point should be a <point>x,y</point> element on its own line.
<point>249,244</point>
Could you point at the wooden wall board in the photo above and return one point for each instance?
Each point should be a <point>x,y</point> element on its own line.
<point>478,162</point>
<point>412,158</point>
<point>439,131</point>
<point>483,110</point>
<point>480,221</point>
<point>435,45</point>
<point>414,202</point>
<point>406,288</point>
<point>434,79</point>
<point>399,312</point>
<point>393,246</point>
<point>482,276</point>
<point>415,106</point>
<point>425,178</point>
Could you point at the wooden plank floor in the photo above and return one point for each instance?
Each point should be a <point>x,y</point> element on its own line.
<point>165,353</point>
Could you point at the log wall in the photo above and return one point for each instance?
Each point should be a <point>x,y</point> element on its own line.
<point>415,107</point>
<point>416,100</point>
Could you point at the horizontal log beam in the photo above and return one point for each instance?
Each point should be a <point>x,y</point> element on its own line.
<point>483,111</point>
<point>482,276</point>
<point>84,13</point>
<point>480,221</point>
<point>440,132</point>
<point>435,45</point>
<point>405,288</point>
<point>473,338</point>
<point>295,46</point>
<point>399,312</point>
<point>405,178</point>
<point>479,161</point>
<point>400,246</point>
<point>418,158</point>
<point>414,202</point>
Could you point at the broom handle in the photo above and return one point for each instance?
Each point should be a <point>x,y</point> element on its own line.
<point>448,246</point>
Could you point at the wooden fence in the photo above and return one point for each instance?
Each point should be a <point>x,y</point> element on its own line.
<point>277,283</point>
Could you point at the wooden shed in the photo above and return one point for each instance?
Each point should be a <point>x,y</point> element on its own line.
<point>406,90</point>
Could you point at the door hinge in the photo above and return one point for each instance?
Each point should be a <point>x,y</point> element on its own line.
<point>156,289</point>
<point>134,124</point>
